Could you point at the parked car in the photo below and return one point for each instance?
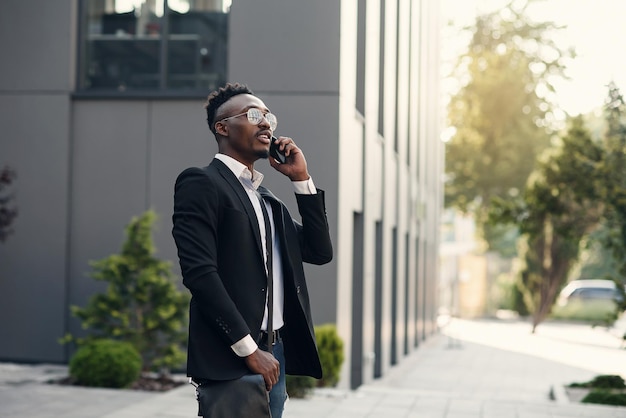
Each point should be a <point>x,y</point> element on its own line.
<point>589,290</point>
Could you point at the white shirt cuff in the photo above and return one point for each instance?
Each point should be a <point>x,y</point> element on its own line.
<point>245,346</point>
<point>304,186</point>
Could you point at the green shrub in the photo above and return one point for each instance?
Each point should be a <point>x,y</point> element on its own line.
<point>603,381</point>
<point>141,304</point>
<point>106,363</point>
<point>607,381</point>
<point>606,397</point>
<point>330,348</point>
<point>299,386</point>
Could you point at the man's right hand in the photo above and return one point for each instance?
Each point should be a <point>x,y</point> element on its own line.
<point>265,364</point>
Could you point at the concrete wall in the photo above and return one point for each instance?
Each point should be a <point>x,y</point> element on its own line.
<point>86,166</point>
<point>36,43</point>
<point>288,54</point>
<point>286,46</point>
<point>388,174</point>
<point>124,167</point>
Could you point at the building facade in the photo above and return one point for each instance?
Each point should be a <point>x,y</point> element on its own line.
<point>102,106</point>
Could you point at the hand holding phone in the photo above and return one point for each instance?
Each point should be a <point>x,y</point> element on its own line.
<point>275,153</point>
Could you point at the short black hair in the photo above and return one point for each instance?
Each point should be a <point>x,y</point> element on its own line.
<point>221,96</point>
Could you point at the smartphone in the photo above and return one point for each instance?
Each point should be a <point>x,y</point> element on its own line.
<point>275,153</point>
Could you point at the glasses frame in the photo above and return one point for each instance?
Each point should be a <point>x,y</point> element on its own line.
<point>263,116</point>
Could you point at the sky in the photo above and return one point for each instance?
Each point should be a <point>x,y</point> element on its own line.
<point>595,29</point>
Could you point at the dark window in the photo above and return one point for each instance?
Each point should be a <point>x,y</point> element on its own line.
<point>418,303</point>
<point>381,71</point>
<point>407,266</point>
<point>135,46</point>
<point>594,293</point>
<point>360,57</point>
<point>411,82</point>
<point>356,378</point>
<point>394,295</point>
<point>378,299</point>
<point>396,139</point>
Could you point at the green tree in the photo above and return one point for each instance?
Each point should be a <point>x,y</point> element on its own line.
<point>614,173</point>
<point>614,177</point>
<point>559,208</point>
<point>596,261</point>
<point>502,115</point>
<point>141,304</point>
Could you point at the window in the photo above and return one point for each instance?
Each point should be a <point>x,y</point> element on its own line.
<point>594,293</point>
<point>381,71</point>
<point>360,56</point>
<point>135,46</point>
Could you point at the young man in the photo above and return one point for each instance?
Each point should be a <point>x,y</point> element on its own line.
<point>220,230</point>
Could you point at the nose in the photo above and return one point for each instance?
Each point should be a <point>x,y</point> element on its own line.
<point>264,122</point>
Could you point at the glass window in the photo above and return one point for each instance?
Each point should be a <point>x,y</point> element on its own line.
<point>153,45</point>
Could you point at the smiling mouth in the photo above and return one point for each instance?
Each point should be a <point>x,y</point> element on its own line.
<point>265,138</point>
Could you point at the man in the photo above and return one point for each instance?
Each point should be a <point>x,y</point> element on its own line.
<point>220,231</point>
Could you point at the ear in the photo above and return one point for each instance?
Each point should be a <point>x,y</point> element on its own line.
<point>221,129</point>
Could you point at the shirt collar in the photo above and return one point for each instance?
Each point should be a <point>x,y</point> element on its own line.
<point>243,174</point>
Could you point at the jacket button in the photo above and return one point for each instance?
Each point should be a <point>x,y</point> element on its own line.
<point>262,289</point>
<point>298,289</point>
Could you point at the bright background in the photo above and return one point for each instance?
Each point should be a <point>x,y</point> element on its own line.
<point>594,28</point>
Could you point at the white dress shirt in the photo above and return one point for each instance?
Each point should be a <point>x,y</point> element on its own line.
<point>250,182</point>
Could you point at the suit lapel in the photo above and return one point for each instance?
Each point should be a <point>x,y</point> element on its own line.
<point>238,189</point>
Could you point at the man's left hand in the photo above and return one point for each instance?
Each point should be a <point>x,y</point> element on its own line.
<point>295,166</point>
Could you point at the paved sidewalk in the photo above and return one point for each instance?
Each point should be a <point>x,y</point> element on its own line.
<point>485,369</point>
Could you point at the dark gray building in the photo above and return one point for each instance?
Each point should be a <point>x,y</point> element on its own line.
<point>101,107</point>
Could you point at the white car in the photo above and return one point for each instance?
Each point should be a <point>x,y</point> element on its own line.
<point>588,290</point>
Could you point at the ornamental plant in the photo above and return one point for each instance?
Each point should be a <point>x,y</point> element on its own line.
<point>606,389</point>
<point>330,349</point>
<point>141,304</point>
<point>105,363</point>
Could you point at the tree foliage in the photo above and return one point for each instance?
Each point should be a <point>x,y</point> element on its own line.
<point>614,177</point>
<point>575,199</point>
<point>502,114</point>
<point>141,304</point>
<point>596,260</point>
<point>560,206</point>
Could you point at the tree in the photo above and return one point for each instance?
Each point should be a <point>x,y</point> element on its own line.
<point>502,114</point>
<point>561,205</point>
<point>614,173</point>
<point>614,177</point>
<point>141,304</point>
<point>8,212</point>
<point>596,260</point>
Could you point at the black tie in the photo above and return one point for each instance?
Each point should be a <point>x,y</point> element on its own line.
<point>270,276</point>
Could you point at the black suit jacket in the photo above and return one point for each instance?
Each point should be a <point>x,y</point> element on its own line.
<point>219,248</point>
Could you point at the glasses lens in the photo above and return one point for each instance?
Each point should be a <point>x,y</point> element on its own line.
<point>255,116</point>
<point>271,119</point>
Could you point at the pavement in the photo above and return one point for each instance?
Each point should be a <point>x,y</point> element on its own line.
<point>471,368</point>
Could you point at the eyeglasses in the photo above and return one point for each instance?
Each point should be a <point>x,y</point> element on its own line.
<point>255,116</point>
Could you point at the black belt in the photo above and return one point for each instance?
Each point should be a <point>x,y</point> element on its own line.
<point>275,337</point>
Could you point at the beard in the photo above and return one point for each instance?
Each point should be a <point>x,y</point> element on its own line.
<point>264,154</point>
